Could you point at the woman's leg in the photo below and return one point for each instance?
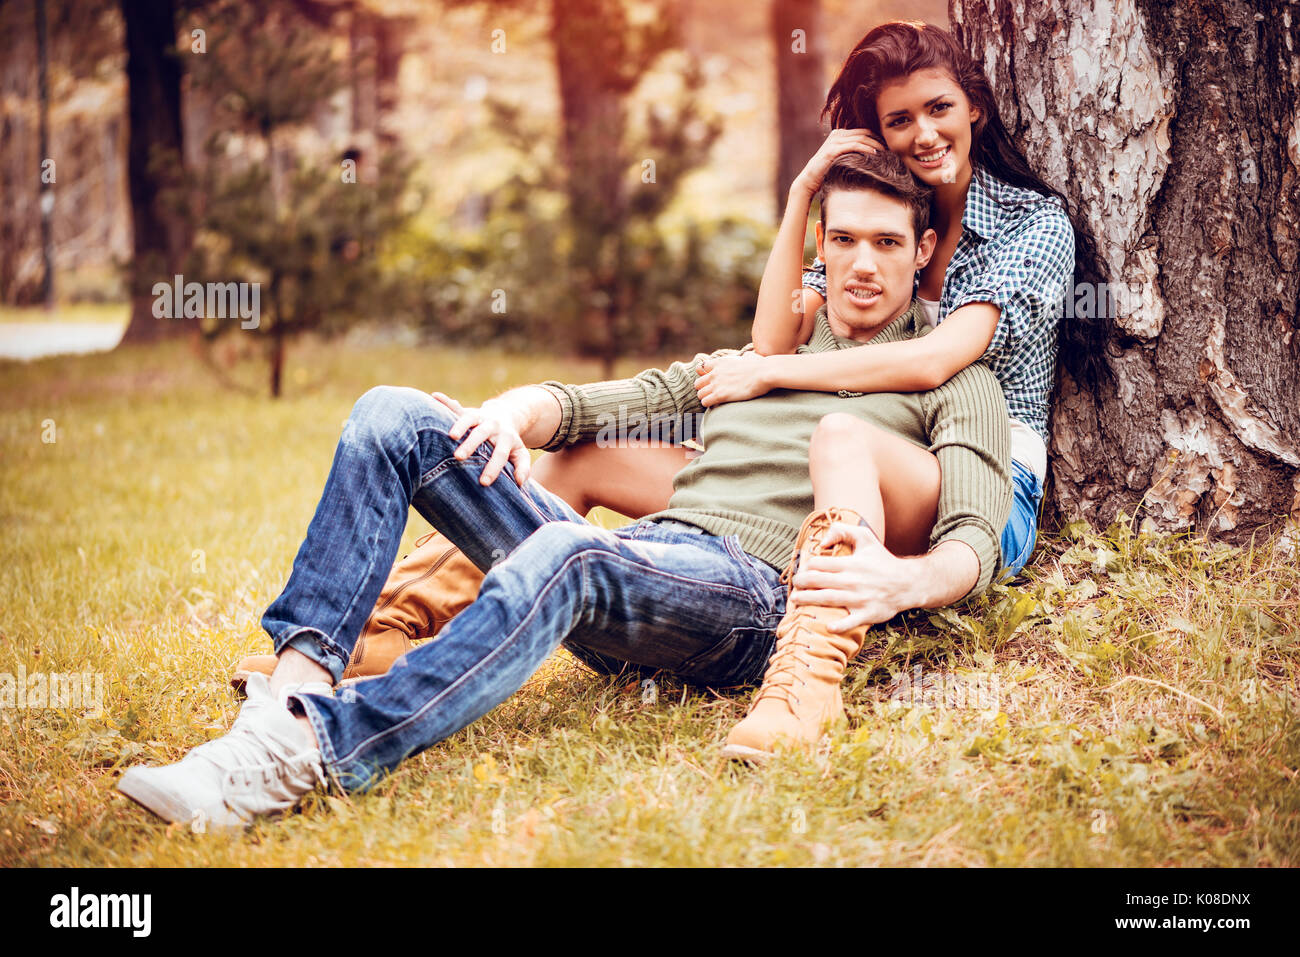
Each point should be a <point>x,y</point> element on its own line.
<point>887,480</point>
<point>894,486</point>
<point>634,481</point>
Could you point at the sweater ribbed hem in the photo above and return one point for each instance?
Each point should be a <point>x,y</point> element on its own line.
<point>768,540</point>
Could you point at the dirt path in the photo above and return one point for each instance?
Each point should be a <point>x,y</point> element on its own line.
<point>32,340</point>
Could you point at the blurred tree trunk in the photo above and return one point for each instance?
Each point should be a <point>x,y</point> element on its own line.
<point>1172,125</point>
<point>47,188</point>
<point>154,157</point>
<point>390,33</point>
<point>590,60</point>
<point>800,88</point>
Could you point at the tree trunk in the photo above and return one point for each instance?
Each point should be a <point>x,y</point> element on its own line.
<point>1172,126</point>
<point>153,159</point>
<point>47,189</point>
<point>800,88</point>
<point>588,39</point>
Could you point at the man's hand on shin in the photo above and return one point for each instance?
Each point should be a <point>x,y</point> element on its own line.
<point>874,584</point>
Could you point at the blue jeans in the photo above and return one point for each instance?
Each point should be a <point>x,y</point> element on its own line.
<point>1021,531</point>
<point>658,596</point>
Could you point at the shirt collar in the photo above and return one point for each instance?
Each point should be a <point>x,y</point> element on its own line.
<point>993,206</point>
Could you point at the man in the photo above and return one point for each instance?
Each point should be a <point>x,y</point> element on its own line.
<point>696,590</point>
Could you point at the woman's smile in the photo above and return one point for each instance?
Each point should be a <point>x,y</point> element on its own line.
<point>933,159</point>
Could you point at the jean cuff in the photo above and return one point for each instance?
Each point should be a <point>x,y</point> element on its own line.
<point>316,646</point>
<point>328,758</point>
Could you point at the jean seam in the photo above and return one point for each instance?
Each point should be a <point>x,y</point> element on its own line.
<point>431,476</point>
<point>373,543</point>
<point>323,744</point>
<point>461,678</point>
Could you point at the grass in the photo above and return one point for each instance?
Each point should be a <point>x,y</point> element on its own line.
<point>1132,700</point>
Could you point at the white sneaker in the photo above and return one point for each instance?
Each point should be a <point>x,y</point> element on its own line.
<point>263,765</point>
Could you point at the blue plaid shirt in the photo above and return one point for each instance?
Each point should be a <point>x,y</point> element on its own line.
<point>1016,251</point>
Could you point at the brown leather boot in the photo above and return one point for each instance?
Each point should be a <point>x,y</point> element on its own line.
<point>425,590</point>
<point>800,696</point>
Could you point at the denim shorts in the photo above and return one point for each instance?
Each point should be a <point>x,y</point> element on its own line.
<point>1021,532</point>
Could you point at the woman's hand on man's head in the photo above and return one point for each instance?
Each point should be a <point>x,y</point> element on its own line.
<point>836,145</point>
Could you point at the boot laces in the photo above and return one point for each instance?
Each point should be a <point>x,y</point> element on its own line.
<point>812,534</point>
<point>783,670</point>
<point>782,679</point>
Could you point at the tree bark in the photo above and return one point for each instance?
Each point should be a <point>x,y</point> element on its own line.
<point>153,158</point>
<point>800,88</point>
<point>1173,127</point>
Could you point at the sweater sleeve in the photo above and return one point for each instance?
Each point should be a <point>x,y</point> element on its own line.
<point>970,435</point>
<point>660,403</point>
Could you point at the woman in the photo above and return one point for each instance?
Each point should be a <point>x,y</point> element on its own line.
<point>1003,256</point>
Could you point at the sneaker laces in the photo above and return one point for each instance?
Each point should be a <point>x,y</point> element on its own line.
<point>242,754</point>
<point>250,749</point>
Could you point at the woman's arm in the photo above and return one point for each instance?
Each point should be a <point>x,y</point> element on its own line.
<point>782,321</point>
<point>914,365</point>
<point>781,324</point>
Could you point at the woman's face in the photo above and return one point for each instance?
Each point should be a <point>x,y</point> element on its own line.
<point>926,119</point>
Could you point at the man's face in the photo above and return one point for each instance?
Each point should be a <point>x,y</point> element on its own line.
<point>871,256</point>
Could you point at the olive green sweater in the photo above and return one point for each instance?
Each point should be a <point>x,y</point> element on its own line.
<point>752,479</point>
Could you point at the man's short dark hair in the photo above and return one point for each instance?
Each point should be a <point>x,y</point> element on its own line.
<point>881,172</point>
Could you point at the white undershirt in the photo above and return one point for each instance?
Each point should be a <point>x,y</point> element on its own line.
<point>1027,447</point>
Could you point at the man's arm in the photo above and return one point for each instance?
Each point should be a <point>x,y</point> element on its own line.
<point>667,395</point>
<point>514,422</point>
<point>553,415</point>
<point>970,435</point>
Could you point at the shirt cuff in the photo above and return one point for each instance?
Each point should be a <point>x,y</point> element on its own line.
<point>987,549</point>
<point>997,297</point>
<point>561,438</point>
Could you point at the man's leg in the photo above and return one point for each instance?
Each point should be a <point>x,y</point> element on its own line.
<point>691,604</point>
<point>433,584</point>
<point>425,589</point>
<point>394,453</point>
